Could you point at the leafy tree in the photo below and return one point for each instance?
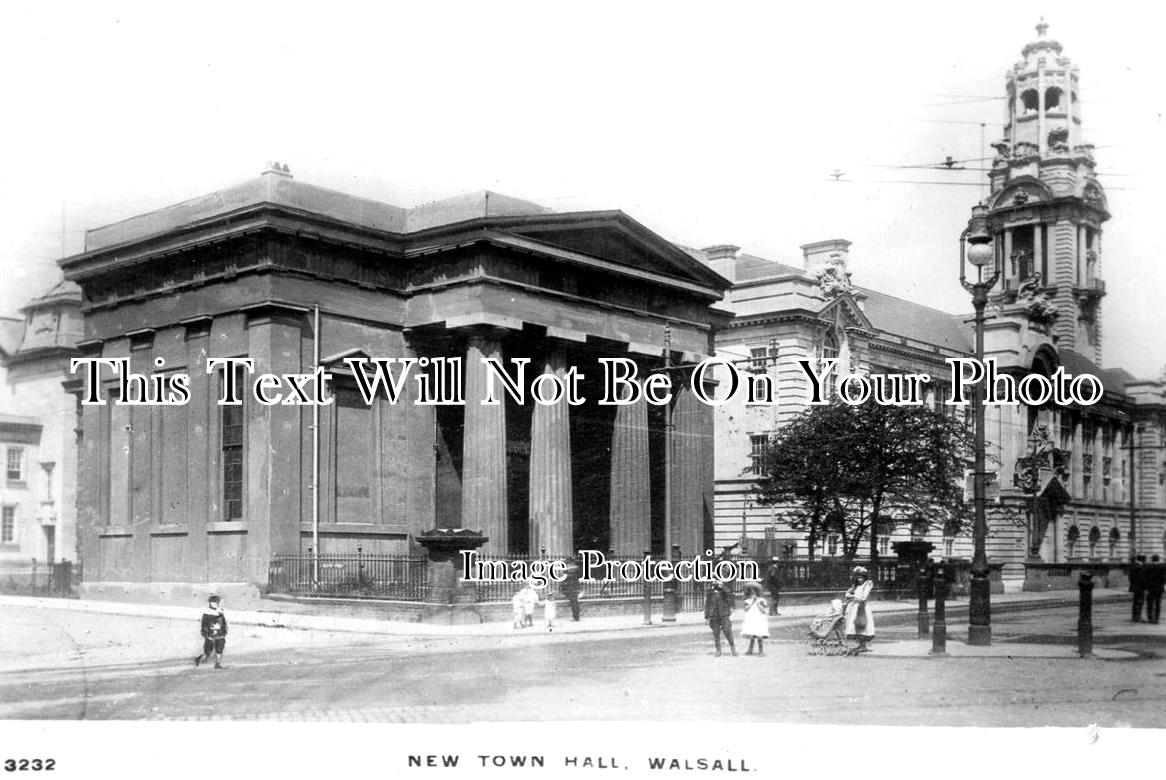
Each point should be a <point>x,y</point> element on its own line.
<point>848,469</point>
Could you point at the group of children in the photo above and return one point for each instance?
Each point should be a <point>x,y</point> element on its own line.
<point>524,603</point>
<point>718,609</point>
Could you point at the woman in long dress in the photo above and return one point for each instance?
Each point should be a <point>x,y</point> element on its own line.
<point>859,619</point>
<point>756,624</point>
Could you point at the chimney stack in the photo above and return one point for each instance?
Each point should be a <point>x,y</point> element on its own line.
<point>820,253</point>
<point>723,259</point>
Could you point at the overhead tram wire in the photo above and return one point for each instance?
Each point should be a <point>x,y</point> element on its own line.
<point>944,183</point>
<point>963,102</point>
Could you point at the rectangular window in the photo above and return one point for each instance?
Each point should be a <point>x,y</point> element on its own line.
<point>758,359</point>
<point>832,544</point>
<point>757,446</point>
<point>231,435</point>
<point>8,525</point>
<point>15,464</point>
<point>355,436</point>
<point>948,547</point>
<point>47,471</point>
<point>884,545</point>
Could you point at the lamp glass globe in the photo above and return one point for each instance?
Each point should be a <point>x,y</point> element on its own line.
<point>981,254</point>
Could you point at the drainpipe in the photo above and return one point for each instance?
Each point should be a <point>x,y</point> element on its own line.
<point>316,455</point>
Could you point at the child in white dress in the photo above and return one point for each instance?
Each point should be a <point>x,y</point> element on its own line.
<point>756,623</point>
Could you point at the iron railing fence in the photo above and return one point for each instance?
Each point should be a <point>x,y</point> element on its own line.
<point>39,578</point>
<point>396,577</point>
<point>403,577</point>
<point>615,587</point>
<point>804,574</point>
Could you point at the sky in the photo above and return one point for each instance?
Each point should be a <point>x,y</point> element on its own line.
<point>709,123</point>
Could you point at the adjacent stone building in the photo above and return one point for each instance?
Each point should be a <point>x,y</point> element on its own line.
<point>295,277</point>
<point>38,431</point>
<point>1046,312</point>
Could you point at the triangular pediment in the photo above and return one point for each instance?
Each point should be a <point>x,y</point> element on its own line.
<point>616,238</point>
<point>844,312</point>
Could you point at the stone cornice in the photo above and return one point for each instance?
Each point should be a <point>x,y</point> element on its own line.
<point>563,296</point>
<point>241,223</point>
<point>272,218</point>
<point>39,354</point>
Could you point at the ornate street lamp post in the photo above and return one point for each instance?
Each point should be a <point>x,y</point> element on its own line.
<point>978,249</point>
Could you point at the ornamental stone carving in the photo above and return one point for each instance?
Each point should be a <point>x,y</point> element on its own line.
<point>1040,309</point>
<point>833,278</point>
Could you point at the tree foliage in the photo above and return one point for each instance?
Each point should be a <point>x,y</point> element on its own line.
<point>848,470</point>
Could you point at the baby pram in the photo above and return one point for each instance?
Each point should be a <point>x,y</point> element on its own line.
<point>828,633</point>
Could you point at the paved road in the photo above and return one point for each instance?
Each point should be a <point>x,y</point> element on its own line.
<point>66,665</point>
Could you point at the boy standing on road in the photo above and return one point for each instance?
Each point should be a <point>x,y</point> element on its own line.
<point>718,607</point>
<point>214,633</point>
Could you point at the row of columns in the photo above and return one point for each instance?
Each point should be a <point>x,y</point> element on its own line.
<point>484,499</point>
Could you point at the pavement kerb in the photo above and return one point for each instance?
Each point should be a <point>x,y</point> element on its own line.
<point>892,613</point>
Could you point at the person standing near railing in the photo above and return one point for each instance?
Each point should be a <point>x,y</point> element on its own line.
<point>773,585</point>
<point>1155,579</point>
<point>1138,585</point>
<point>571,587</point>
<point>530,600</point>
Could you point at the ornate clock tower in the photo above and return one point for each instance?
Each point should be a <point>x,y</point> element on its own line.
<point>1046,198</point>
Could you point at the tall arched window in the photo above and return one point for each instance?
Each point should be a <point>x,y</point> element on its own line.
<point>1073,537</point>
<point>1053,99</point>
<point>829,346</point>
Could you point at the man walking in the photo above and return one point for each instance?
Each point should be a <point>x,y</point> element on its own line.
<point>773,585</point>
<point>718,608</point>
<point>1138,585</point>
<point>1155,581</point>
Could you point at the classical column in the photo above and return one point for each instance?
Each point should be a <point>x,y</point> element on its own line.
<point>1010,264</point>
<point>688,433</point>
<point>1038,253</point>
<point>551,526</point>
<point>1080,272</point>
<point>630,488</point>
<point>484,449</point>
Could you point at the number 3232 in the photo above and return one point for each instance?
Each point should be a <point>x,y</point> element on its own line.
<point>29,764</point>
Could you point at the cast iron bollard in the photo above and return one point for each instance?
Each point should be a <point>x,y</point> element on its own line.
<point>921,582</point>
<point>647,595</point>
<point>939,630</point>
<point>1085,616</point>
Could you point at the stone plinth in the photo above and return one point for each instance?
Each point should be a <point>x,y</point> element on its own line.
<point>444,547</point>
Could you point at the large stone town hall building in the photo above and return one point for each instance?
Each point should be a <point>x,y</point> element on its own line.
<point>294,276</point>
